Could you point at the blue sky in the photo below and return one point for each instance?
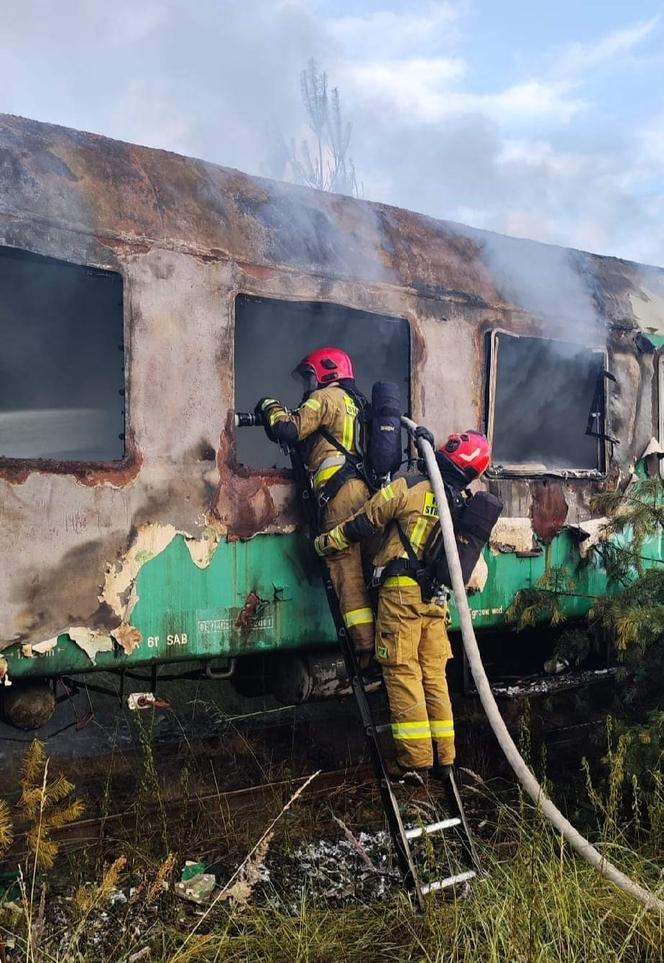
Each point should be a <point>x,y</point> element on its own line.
<point>536,119</point>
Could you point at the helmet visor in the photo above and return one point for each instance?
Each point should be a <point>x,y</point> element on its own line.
<point>305,376</point>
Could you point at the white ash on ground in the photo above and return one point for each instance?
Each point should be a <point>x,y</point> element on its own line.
<point>354,867</point>
<point>335,869</point>
<point>545,685</point>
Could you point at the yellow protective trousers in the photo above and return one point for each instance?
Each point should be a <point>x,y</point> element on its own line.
<point>346,569</point>
<point>413,648</point>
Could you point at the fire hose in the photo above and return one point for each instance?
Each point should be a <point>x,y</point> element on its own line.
<point>526,778</point>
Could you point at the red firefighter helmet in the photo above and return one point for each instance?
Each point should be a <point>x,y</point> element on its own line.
<point>325,365</point>
<point>470,452</point>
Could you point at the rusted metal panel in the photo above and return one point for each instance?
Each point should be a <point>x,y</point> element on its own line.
<point>549,509</point>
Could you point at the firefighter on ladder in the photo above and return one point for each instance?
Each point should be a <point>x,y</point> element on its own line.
<point>411,642</point>
<point>326,428</point>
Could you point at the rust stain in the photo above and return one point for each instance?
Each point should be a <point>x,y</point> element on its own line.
<point>253,506</point>
<point>257,270</point>
<point>549,509</point>
<point>128,637</point>
<point>122,247</point>
<point>247,611</point>
<point>17,471</point>
<point>118,477</point>
<point>245,494</point>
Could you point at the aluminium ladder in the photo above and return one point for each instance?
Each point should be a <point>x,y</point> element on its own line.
<point>402,836</point>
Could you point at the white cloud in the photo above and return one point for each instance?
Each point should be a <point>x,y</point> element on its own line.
<point>418,85</point>
<point>428,89</point>
<point>579,58</point>
<point>540,154</point>
<point>387,34</point>
<point>535,99</point>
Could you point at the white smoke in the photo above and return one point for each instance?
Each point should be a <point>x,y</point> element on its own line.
<point>210,79</point>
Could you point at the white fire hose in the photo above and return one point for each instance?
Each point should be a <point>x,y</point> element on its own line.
<point>578,842</point>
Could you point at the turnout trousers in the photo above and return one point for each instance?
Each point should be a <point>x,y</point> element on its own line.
<point>346,567</point>
<point>413,648</point>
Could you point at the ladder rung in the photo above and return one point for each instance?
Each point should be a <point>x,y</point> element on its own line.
<point>444,883</point>
<point>432,828</point>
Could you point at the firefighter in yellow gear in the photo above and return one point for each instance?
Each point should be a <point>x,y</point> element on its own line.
<point>326,427</point>
<point>411,643</point>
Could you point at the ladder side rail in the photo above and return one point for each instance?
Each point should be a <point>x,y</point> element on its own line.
<point>389,802</point>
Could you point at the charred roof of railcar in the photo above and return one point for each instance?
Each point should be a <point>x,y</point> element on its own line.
<point>122,192</point>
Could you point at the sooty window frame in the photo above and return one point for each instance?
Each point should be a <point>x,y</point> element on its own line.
<point>249,467</point>
<point>524,470</point>
<point>65,464</point>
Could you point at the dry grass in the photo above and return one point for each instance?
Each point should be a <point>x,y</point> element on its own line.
<point>537,903</point>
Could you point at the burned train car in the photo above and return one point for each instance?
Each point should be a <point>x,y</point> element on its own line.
<point>147,296</point>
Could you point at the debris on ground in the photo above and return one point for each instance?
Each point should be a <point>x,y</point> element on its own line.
<point>335,870</point>
<point>550,684</point>
<point>251,872</point>
<point>195,884</point>
<point>140,955</point>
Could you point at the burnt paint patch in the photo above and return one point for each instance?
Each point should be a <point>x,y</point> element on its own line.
<point>243,502</point>
<point>204,452</point>
<point>68,594</point>
<point>549,509</point>
<point>252,507</point>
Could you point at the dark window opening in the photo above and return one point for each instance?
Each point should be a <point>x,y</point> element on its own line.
<point>545,398</point>
<point>271,337</point>
<point>61,360</point>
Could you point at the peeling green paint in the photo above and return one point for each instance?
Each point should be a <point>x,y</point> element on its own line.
<point>186,612</point>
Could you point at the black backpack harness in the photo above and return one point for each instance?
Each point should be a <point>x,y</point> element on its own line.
<point>474,517</point>
<point>378,438</point>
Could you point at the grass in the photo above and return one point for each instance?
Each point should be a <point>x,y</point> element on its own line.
<point>537,903</point>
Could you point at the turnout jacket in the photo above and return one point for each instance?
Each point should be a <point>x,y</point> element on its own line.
<point>408,501</point>
<point>331,408</point>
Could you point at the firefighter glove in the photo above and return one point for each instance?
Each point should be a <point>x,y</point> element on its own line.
<point>422,432</point>
<point>265,410</point>
<point>330,542</point>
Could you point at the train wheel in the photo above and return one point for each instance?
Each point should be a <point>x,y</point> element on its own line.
<point>27,705</point>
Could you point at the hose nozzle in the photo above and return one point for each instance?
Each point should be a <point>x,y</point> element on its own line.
<point>247,419</point>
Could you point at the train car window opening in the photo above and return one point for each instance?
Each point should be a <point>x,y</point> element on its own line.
<point>272,336</point>
<point>62,360</point>
<point>546,406</point>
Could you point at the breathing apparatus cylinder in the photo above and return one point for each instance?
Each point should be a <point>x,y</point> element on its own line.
<point>383,453</point>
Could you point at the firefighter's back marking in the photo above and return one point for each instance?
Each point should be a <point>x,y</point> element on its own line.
<point>430,506</point>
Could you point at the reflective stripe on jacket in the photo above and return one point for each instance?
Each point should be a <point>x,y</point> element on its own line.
<point>331,408</point>
<point>408,500</point>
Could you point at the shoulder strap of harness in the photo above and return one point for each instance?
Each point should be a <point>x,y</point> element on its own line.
<point>414,561</point>
<point>354,467</point>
